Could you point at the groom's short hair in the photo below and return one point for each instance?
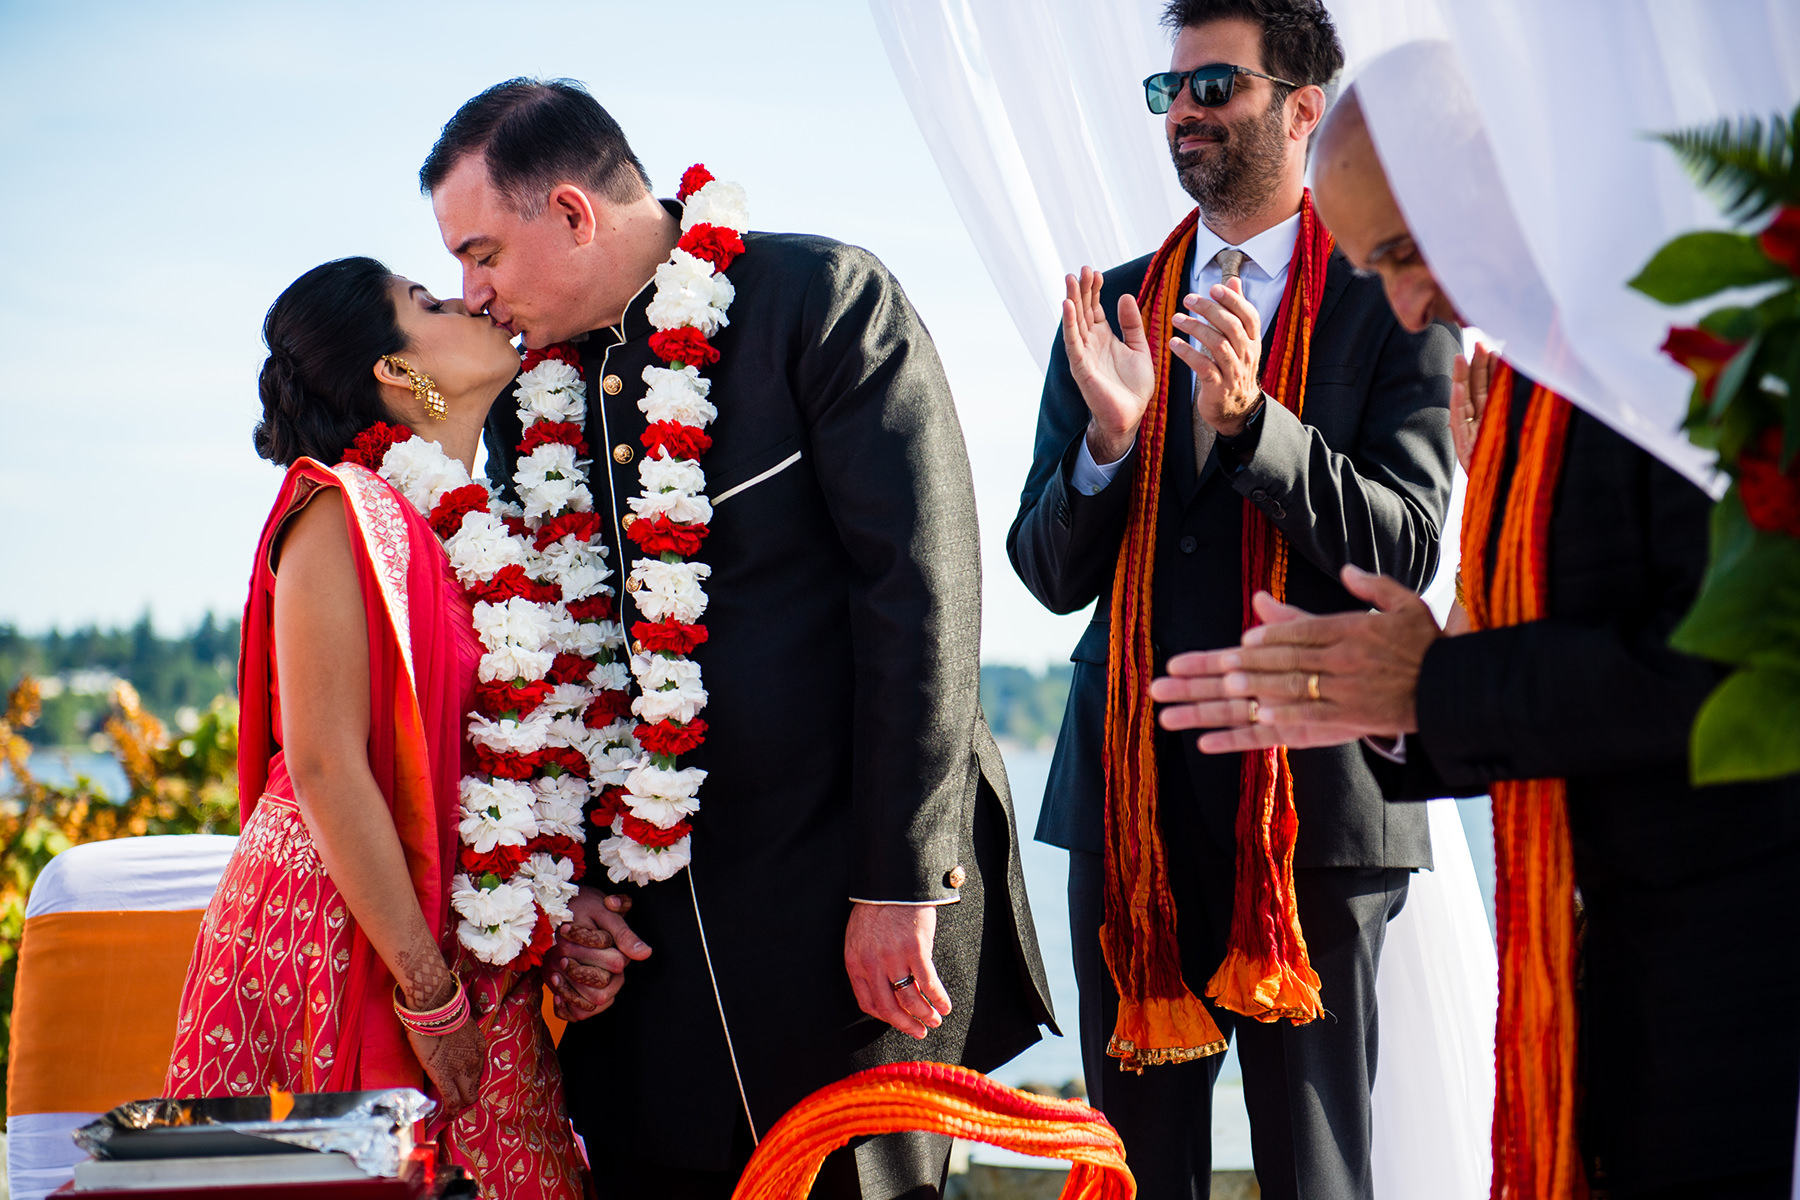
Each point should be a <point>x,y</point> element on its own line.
<point>535,134</point>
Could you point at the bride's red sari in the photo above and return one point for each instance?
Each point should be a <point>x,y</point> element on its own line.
<point>284,989</point>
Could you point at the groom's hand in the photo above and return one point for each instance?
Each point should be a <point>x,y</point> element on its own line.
<point>586,966</point>
<point>888,943</point>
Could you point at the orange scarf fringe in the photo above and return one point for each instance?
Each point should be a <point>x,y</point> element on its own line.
<point>937,1098</point>
<point>1535,1152</point>
<point>1265,974</point>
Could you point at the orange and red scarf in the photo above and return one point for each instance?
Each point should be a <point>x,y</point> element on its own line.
<point>1535,1152</point>
<point>1265,974</point>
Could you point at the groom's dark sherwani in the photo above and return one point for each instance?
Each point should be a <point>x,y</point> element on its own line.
<point>847,753</point>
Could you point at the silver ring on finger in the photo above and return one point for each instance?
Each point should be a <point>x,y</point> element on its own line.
<point>898,984</point>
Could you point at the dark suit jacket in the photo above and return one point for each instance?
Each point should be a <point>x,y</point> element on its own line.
<point>1692,926</point>
<point>1365,479</point>
<point>847,753</point>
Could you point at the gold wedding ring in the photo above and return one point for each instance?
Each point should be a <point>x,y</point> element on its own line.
<point>1254,709</point>
<point>897,984</point>
<point>1312,687</point>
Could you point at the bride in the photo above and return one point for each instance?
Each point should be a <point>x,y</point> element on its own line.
<point>383,916</point>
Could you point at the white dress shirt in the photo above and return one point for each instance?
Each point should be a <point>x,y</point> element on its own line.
<point>1263,286</point>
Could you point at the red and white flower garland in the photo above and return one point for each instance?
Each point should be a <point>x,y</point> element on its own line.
<point>551,693</point>
<point>649,814</point>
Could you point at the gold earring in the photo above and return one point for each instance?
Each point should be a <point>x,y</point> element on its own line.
<point>424,390</point>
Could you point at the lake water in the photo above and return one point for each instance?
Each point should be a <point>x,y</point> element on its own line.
<point>1055,1060</point>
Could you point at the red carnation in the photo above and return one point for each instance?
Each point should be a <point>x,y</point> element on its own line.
<point>681,441</point>
<point>584,525</point>
<point>594,608</point>
<point>373,443</point>
<point>717,244</point>
<point>542,938</point>
<point>503,861</point>
<point>645,834</point>
<point>515,526</point>
<point>606,707</point>
<point>510,581</point>
<point>570,668</point>
<point>561,433</point>
<point>1771,495</point>
<point>659,535</point>
<point>669,637</point>
<point>505,764</point>
<point>562,352</point>
<point>495,699</point>
<point>686,345</point>
<point>568,758</point>
<point>692,180</point>
<point>457,503</point>
<point>1781,240</point>
<point>671,739</point>
<point>559,845</point>
<point>609,804</point>
<point>1702,353</point>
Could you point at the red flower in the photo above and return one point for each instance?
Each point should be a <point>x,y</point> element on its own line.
<point>594,608</point>
<point>495,699</point>
<point>645,834</point>
<point>505,764</point>
<point>607,707</point>
<point>671,739</point>
<point>717,244</point>
<point>1771,496</point>
<point>669,637</point>
<point>681,441</point>
<point>584,525</point>
<point>1702,353</point>
<point>544,433</point>
<point>562,351</point>
<point>510,581</point>
<point>610,803</point>
<point>457,503</point>
<point>503,861</point>
<point>692,180</point>
<point>515,526</point>
<point>659,535</point>
<point>685,345</point>
<point>373,443</point>
<point>570,668</point>
<point>560,847</point>
<point>572,761</point>
<point>542,938</point>
<point>1781,240</point>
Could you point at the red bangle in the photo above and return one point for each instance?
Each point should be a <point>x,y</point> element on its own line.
<point>441,1021</point>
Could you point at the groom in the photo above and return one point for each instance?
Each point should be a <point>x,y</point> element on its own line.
<point>854,896</point>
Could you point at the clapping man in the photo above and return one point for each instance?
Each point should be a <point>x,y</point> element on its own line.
<point>1238,411</point>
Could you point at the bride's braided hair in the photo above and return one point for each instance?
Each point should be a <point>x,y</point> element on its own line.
<point>325,334</point>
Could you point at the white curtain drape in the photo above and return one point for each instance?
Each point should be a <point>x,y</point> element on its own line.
<point>1033,112</point>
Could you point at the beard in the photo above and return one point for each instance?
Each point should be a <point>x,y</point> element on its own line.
<point>1242,169</point>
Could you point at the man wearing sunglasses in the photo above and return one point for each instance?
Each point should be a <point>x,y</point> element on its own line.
<point>1238,411</point>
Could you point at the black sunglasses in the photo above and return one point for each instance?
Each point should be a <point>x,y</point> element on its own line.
<point>1210,85</point>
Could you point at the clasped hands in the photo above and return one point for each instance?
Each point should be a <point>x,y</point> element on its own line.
<point>884,944</point>
<point>1117,373</point>
<point>1300,680</point>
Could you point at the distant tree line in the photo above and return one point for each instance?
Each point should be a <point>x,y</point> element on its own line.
<point>77,670</point>
<point>1024,706</point>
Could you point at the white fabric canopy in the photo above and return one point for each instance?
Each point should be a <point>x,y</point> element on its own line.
<point>1033,112</point>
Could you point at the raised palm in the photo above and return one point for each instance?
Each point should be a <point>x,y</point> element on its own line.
<point>1115,372</point>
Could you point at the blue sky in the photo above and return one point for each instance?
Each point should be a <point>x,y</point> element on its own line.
<point>169,168</point>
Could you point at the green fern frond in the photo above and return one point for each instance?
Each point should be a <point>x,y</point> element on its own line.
<point>1750,165</point>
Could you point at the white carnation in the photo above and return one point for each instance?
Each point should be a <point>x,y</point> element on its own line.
<point>422,472</point>
<point>580,570</point>
<point>660,473</point>
<point>551,391</point>
<point>718,203</point>
<point>558,806</point>
<point>678,396</point>
<point>552,480</point>
<point>567,699</point>
<point>496,814</point>
<point>552,883</point>
<point>683,507</point>
<point>670,589</point>
<point>625,859</point>
<point>611,765</point>
<point>497,921</point>
<point>610,677</point>
<point>515,622</point>
<point>689,291</point>
<point>481,547</point>
<point>663,797</point>
<point>511,737</point>
<point>510,662</point>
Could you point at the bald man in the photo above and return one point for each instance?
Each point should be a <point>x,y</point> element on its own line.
<point>1689,1051</point>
